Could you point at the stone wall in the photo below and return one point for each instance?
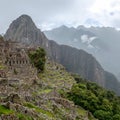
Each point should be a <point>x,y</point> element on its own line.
<point>17,62</point>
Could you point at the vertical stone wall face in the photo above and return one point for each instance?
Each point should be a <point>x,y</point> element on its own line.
<point>16,61</point>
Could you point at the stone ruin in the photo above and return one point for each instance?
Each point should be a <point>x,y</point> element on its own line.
<point>17,61</point>
<point>14,57</point>
<point>2,74</point>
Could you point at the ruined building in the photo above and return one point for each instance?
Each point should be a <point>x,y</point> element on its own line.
<point>16,62</point>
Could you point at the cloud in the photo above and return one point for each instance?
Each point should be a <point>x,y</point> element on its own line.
<point>42,11</point>
<point>88,40</point>
<point>107,12</point>
<point>92,22</point>
<point>48,14</point>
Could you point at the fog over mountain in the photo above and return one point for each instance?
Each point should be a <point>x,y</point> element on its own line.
<point>102,42</point>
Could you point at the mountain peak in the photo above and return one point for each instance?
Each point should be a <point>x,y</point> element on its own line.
<point>25,20</point>
<point>24,30</point>
<point>25,16</point>
<point>63,26</point>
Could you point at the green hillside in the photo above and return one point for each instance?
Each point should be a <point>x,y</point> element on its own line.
<point>103,104</point>
<point>53,94</point>
<point>42,99</point>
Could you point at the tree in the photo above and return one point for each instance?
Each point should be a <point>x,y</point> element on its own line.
<point>103,104</point>
<point>102,115</point>
<point>116,117</point>
<point>38,58</point>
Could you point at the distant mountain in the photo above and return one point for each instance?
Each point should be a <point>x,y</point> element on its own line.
<point>102,42</point>
<point>69,36</point>
<point>77,61</point>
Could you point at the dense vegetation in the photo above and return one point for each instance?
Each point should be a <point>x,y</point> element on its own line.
<point>103,104</point>
<point>38,58</point>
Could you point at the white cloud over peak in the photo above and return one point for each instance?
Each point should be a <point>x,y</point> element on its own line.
<point>88,40</point>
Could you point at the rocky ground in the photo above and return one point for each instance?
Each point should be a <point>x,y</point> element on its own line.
<point>40,100</point>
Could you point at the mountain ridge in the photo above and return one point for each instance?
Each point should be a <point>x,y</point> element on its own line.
<point>74,60</point>
<point>102,42</point>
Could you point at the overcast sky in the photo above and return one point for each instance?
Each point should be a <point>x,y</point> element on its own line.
<point>48,14</point>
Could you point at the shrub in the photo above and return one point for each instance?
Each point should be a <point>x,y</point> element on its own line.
<point>38,59</point>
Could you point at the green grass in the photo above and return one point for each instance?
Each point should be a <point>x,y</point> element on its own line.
<point>29,105</point>
<point>81,111</point>
<point>24,117</point>
<point>91,117</point>
<point>2,67</point>
<point>56,77</point>
<point>39,110</point>
<point>5,110</point>
<point>45,91</point>
<point>49,114</point>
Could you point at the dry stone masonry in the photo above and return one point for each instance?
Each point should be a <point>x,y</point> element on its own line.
<point>16,62</point>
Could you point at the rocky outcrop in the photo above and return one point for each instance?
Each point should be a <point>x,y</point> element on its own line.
<point>78,61</point>
<point>112,83</point>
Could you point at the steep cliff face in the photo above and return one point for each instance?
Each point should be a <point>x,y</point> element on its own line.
<point>78,61</point>
<point>101,42</point>
<point>112,83</point>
